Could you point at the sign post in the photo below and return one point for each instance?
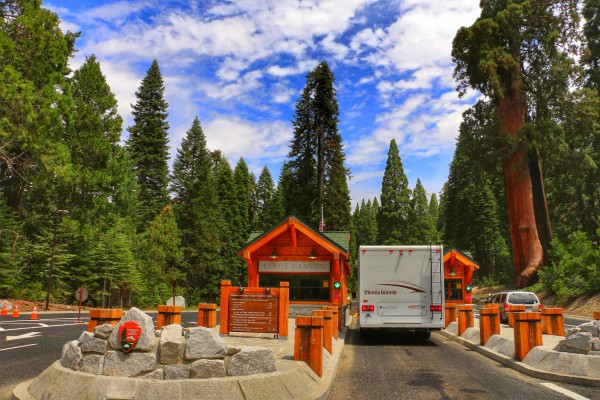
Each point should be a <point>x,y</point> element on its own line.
<point>81,294</point>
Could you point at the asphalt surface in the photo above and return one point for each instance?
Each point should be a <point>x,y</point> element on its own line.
<point>391,366</point>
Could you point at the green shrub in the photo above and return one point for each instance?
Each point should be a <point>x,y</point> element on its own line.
<point>574,268</point>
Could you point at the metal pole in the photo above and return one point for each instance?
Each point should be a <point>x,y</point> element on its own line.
<point>80,297</point>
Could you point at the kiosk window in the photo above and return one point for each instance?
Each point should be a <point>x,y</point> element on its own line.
<point>302,287</point>
<point>454,289</point>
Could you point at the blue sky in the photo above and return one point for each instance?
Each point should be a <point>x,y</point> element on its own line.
<point>240,67</point>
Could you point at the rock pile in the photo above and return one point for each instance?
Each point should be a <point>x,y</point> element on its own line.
<point>582,339</point>
<point>170,353</point>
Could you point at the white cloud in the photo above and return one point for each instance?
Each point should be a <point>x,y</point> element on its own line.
<point>237,138</point>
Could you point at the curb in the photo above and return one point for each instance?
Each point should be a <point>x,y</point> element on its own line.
<point>324,388</point>
<point>521,366</point>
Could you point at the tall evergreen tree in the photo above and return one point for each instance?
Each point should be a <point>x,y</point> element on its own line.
<point>265,196</point>
<point>148,144</point>
<point>395,200</point>
<point>13,247</point>
<point>516,54</point>
<point>418,226</point>
<point>240,225</point>
<point>318,177</point>
<point>591,31</point>
<point>433,214</point>
<point>198,215</point>
<point>36,102</point>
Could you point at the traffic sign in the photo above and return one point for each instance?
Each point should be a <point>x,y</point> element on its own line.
<point>81,294</point>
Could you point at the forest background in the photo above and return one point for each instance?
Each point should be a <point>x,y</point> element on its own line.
<point>79,208</point>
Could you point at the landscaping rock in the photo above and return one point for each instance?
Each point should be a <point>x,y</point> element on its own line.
<point>179,302</point>
<point>589,327</point>
<point>231,350</point>
<point>204,343</point>
<point>144,321</point>
<point>181,371</point>
<point>208,369</point>
<point>118,363</point>
<point>71,355</point>
<point>93,364</point>
<point>91,344</point>
<point>103,331</point>
<point>156,374</point>
<point>171,345</point>
<point>579,342</point>
<point>252,360</point>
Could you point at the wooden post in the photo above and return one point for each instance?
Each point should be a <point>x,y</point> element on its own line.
<point>489,324</point>
<point>597,315</point>
<point>168,315</point>
<point>528,333</point>
<point>99,316</point>
<point>327,328</point>
<point>466,317</point>
<point>336,320</point>
<point>302,339</point>
<point>207,315</point>
<point>511,311</point>
<point>224,324</point>
<point>284,310</point>
<point>553,322</point>
<point>450,314</point>
<point>316,345</point>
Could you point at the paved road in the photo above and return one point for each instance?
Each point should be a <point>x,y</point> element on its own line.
<point>28,347</point>
<point>394,366</point>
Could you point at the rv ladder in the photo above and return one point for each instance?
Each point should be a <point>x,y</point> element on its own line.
<point>437,271</point>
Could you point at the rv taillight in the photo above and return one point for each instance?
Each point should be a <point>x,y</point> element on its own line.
<point>368,308</point>
<point>435,308</point>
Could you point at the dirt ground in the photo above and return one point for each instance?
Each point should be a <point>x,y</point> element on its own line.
<point>27,306</point>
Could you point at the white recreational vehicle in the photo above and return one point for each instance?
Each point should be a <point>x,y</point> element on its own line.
<point>401,288</point>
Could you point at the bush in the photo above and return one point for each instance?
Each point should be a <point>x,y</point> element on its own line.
<point>574,268</point>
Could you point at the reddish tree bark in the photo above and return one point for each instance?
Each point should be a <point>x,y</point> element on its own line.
<point>527,249</point>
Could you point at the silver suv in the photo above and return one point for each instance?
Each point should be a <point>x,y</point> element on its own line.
<point>513,297</point>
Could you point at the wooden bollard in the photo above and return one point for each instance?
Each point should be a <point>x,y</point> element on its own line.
<point>528,333</point>
<point>553,322</point>
<point>466,317</point>
<point>168,315</point>
<point>308,342</point>
<point>450,314</point>
<point>336,319</point>
<point>327,328</point>
<point>99,316</point>
<point>597,315</point>
<point>207,315</point>
<point>511,313</point>
<point>489,324</point>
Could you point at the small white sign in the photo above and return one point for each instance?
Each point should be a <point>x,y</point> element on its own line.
<point>294,266</point>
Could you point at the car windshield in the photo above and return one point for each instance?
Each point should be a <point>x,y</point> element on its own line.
<point>523,298</point>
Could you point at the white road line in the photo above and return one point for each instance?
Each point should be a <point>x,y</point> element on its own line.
<point>42,327</point>
<point>18,347</point>
<point>568,393</point>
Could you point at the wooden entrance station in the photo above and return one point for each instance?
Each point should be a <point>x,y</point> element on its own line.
<point>314,264</point>
<point>458,275</point>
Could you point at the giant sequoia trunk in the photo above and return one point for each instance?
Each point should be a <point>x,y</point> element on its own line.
<point>527,249</point>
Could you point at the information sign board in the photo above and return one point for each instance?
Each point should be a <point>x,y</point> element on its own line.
<point>253,312</point>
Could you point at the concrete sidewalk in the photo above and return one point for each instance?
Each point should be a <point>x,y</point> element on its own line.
<point>542,362</point>
<point>293,380</point>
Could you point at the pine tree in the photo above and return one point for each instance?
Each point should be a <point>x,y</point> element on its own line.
<point>148,144</point>
<point>159,256</point>
<point>433,215</point>
<point>395,200</point>
<point>264,197</point>
<point>317,175</point>
<point>95,134</point>
<point>418,226</point>
<point>240,226</point>
<point>13,246</point>
<point>198,215</point>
